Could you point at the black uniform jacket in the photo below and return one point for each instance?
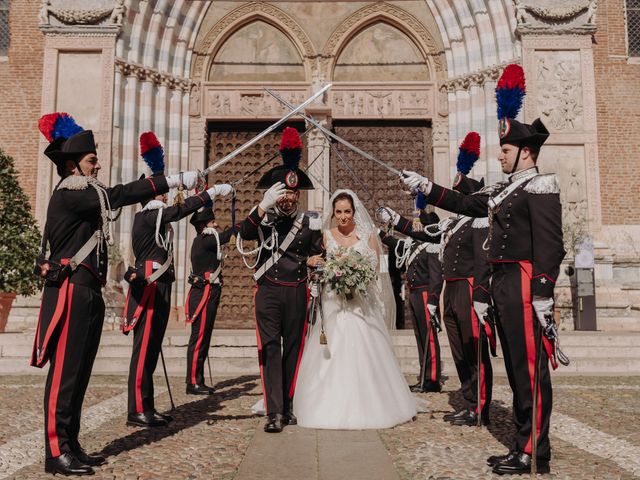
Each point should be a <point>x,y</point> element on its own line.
<point>526,226</point>
<point>204,262</point>
<point>464,257</point>
<point>425,271</point>
<point>147,251</point>
<point>73,216</point>
<point>291,268</point>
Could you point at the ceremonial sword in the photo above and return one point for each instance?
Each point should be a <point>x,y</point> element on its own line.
<point>329,133</point>
<point>264,133</point>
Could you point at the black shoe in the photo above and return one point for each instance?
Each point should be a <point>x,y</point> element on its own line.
<point>471,419</point>
<point>162,416</point>
<point>520,463</point>
<point>427,386</point>
<point>92,460</point>
<point>195,389</point>
<point>495,459</point>
<point>453,415</point>
<point>274,423</point>
<point>290,419</point>
<point>66,464</point>
<point>145,420</point>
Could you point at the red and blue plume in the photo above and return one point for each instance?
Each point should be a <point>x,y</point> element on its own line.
<point>290,148</point>
<point>152,152</point>
<point>510,91</point>
<point>468,153</point>
<point>421,201</point>
<point>58,125</point>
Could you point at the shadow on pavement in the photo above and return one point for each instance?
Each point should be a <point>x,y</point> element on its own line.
<point>187,415</point>
<point>501,427</point>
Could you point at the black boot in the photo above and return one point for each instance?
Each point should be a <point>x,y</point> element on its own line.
<point>471,419</point>
<point>274,423</point>
<point>66,464</point>
<point>196,389</point>
<point>92,460</point>
<point>495,459</point>
<point>145,420</point>
<point>520,463</point>
<point>162,416</point>
<point>453,415</point>
<point>290,418</point>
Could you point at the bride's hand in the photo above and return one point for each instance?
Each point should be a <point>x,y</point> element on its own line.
<point>315,261</point>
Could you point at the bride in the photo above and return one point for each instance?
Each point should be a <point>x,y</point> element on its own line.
<point>354,381</point>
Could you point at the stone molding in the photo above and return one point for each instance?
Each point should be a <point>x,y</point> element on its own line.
<point>130,69</point>
<point>478,77</point>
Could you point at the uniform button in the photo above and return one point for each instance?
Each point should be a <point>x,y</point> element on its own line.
<point>455,261</point>
<point>502,247</point>
<point>459,239</point>
<point>509,204</point>
<point>457,254</point>
<point>454,269</point>
<point>504,235</point>
<point>508,215</point>
<point>515,194</point>
<point>458,246</point>
<point>507,225</point>
<point>500,257</point>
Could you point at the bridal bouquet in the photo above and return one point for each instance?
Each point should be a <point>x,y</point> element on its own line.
<point>348,272</point>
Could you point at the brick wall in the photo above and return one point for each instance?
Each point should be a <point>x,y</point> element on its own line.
<point>618,110</point>
<point>21,91</point>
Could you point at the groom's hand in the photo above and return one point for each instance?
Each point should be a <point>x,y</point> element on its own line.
<point>315,261</point>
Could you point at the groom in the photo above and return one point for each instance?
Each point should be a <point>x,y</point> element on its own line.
<point>289,242</point>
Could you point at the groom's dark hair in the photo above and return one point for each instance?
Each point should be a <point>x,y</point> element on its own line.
<point>343,196</point>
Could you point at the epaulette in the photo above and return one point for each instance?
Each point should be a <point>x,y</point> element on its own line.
<point>154,205</point>
<point>315,220</point>
<point>481,222</point>
<point>209,231</point>
<point>74,182</point>
<point>433,248</point>
<point>547,183</point>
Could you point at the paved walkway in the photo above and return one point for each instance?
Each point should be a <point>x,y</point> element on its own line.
<point>594,436</point>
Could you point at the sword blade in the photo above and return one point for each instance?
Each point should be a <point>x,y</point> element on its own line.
<point>265,132</point>
<point>329,133</point>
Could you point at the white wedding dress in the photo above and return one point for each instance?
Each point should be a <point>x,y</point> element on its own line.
<point>354,381</point>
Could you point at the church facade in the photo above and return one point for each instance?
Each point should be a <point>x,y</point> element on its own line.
<point>409,79</point>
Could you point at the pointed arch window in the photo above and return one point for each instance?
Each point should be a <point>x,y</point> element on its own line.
<point>381,52</point>
<point>633,27</point>
<point>5,34</point>
<point>257,51</point>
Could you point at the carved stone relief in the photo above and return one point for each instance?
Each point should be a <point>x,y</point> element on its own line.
<point>554,16</point>
<point>559,87</point>
<point>568,162</point>
<point>376,103</point>
<point>221,101</point>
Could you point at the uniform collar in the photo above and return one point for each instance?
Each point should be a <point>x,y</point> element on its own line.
<point>529,172</point>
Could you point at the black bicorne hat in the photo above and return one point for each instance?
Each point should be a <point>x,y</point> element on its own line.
<point>67,139</point>
<point>428,218</point>
<point>289,173</point>
<point>202,216</point>
<point>513,132</point>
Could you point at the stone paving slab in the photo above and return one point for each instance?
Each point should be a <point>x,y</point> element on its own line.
<point>594,435</point>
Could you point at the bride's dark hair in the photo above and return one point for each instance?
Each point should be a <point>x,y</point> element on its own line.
<point>342,196</point>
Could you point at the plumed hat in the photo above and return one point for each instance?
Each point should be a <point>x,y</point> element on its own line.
<point>468,154</point>
<point>289,172</point>
<point>67,139</point>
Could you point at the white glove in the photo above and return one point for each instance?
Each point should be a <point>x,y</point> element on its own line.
<point>481,309</point>
<point>432,309</point>
<point>543,307</point>
<point>189,180</point>
<point>271,196</point>
<point>415,181</point>
<point>223,189</point>
<point>387,214</point>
